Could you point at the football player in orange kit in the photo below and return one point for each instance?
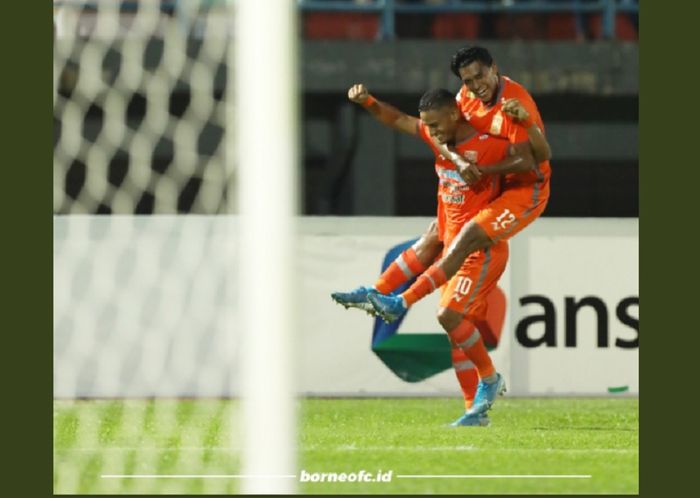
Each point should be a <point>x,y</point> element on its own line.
<point>497,105</point>
<point>463,302</point>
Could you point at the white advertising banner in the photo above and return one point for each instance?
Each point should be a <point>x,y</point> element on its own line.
<point>144,306</point>
<point>575,306</point>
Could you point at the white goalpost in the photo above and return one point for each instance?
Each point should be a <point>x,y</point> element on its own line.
<point>265,116</point>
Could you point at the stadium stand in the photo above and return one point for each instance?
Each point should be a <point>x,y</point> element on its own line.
<point>458,19</point>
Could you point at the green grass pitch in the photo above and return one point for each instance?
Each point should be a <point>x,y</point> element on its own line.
<point>552,436</point>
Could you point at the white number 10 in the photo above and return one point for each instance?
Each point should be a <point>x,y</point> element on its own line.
<point>463,285</point>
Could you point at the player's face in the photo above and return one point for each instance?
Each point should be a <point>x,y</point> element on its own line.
<point>441,123</point>
<point>480,79</point>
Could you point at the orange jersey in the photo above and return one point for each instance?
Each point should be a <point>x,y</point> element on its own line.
<point>494,121</point>
<point>457,201</point>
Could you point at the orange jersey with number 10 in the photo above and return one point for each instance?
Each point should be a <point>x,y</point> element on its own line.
<point>492,120</point>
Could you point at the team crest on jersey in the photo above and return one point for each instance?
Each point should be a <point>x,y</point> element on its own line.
<point>496,123</point>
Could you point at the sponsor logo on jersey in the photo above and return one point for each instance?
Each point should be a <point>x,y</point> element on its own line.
<point>452,199</point>
<point>453,188</point>
<point>450,176</point>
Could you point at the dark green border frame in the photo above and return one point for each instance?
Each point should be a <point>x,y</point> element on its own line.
<point>27,245</point>
<point>668,191</point>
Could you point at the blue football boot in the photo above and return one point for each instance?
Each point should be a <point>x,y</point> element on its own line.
<point>356,298</point>
<point>486,394</point>
<point>389,307</point>
<point>472,419</point>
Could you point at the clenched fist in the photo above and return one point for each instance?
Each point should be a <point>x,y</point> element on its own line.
<point>513,108</point>
<point>469,171</point>
<point>358,93</point>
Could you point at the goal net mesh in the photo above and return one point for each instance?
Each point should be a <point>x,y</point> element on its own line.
<point>139,106</point>
<point>143,351</point>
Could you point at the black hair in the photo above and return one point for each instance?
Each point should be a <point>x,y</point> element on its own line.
<point>467,55</point>
<point>436,99</point>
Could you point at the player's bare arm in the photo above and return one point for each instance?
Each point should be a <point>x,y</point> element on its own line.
<point>469,171</point>
<point>519,160</point>
<point>540,147</point>
<point>383,112</point>
<point>525,157</point>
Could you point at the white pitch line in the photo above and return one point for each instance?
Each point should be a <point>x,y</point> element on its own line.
<point>194,476</point>
<point>471,448</point>
<point>365,448</point>
<point>495,476</point>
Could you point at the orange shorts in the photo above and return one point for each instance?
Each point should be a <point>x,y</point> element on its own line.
<point>491,327</point>
<point>466,292</point>
<point>513,210</point>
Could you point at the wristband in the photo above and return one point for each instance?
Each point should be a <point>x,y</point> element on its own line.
<point>367,103</point>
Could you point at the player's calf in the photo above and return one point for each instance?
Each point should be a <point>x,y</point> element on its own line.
<point>449,319</point>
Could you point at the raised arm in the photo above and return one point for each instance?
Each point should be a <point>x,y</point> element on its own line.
<point>519,112</point>
<point>383,112</point>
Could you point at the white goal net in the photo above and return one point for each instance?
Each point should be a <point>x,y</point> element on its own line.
<point>139,106</point>
<point>162,375</point>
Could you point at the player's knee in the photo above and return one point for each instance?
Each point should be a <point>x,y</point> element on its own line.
<point>429,246</point>
<point>480,238</point>
<point>432,229</point>
<point>470,239</point>
<point>449,319</point>
<point>432,236</point>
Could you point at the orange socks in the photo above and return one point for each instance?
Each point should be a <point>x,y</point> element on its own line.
<point>468,339</point>
<point>467,376</point>
<point>430,280</point>
<point>403,268</point>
